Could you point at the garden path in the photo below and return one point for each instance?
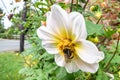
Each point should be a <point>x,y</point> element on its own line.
<point>11,45</point>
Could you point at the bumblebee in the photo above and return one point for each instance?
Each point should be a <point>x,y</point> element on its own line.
<point>68,54</point>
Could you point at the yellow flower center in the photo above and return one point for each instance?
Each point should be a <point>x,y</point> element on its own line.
<point>66,47</point>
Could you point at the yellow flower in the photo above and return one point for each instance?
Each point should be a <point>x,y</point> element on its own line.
<point>118,30</point>
<point>119,73</point>
<point>26,65</point>
<point>95,39</point>
<point>17,54</point>
<point>34,62</point>
<point>28,62</point>
<point>29,57</point>
<point>98,15</point>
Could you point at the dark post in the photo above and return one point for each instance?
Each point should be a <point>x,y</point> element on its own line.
<point>22,35</point>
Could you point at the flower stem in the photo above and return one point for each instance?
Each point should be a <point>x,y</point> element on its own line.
<point>71,6</point>
<point>77,4</point>
<point>107,66</point>
<point>88,76</point>
<point>102,42</point>
<point>99,20</point>
<point>51,2</point>
<point>85,5</point>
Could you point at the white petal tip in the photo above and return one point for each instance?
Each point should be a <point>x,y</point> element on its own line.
<point>100,57</point>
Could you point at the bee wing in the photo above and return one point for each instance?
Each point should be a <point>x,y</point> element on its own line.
<point>66,58</point>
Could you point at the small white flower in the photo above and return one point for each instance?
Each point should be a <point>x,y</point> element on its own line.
<point>65,37</point>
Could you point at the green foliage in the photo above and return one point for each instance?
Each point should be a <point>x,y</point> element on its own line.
<point>109,32</point>
<point>93,28</point>
<point>101,75</point>
<point>10,63</point>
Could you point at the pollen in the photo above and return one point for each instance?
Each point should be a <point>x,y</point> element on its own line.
<point>66,43</point>
<point>67,50</point>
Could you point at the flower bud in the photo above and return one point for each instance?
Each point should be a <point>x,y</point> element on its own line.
<point>103,4</point>
<point>43,23</point>
<point>28,5</point>
<point>32,14</point>
<point>92,8</point>
<point>1,15</point>
<point>17,0</point>
<point>96,40</point>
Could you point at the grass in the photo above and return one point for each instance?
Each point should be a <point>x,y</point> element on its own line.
<point>10,64</point>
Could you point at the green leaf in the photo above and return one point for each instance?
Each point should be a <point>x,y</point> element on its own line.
<point>109,33</point>
<point>23,70</point>
<point>93,28</point>
<point>41,75</point>
<point>30,78</point>
<point>110,52</point>
<point>88,13</point>
<point>101,75</point>
<point>50,67</point>
<point>37,4</point>
<point>63,75</point>
<point>116,59</point>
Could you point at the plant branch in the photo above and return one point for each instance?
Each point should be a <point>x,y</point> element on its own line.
<point>107,66</point>
<point>102,41</point>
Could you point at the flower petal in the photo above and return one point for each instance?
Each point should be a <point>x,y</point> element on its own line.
<point>57,21</point>
<point>102,56</point>
<point>45,34</point>
<point>49,41</point>
<point>88,52</point>
<point>78,25</point>
<point>50,46</point>
<point>59,59</point>
<point>92,68</point>
<point>71,67</point>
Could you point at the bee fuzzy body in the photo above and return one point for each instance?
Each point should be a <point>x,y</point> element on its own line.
<point>68,54</point>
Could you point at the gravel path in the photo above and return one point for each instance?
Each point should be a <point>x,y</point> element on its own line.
<point>11,45</point>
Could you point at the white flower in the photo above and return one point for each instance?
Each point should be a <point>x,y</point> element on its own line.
<point>65,37</point>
